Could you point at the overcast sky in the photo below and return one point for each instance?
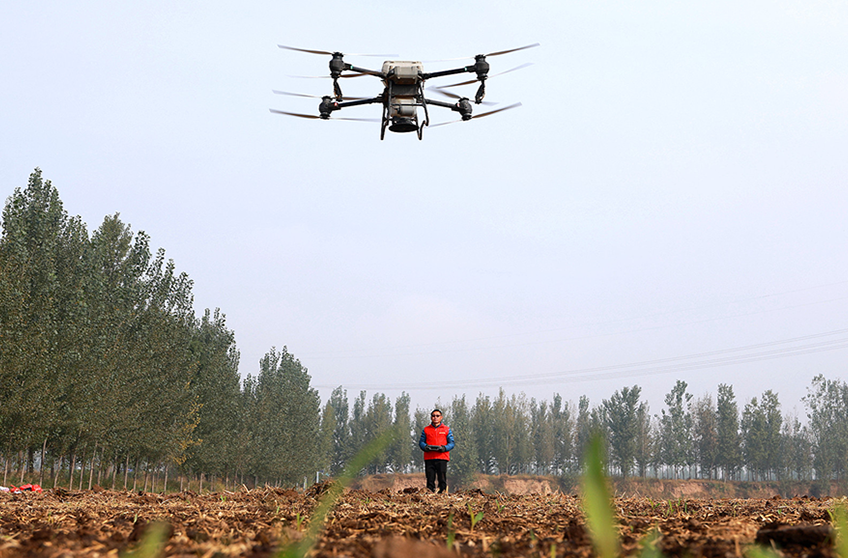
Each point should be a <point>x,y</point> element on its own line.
<point>669,202</point>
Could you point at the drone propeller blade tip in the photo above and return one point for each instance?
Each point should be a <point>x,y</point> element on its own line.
<point>512,50</point>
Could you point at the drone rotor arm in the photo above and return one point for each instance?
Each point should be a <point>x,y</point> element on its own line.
<point>366,71</point>
<point>442,73</point>
<point>358,102</point>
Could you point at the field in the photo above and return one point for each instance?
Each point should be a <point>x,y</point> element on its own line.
<point>400,523</point>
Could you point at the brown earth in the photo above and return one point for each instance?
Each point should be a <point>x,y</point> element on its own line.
<point>647,488</point>
<point>401,524</point>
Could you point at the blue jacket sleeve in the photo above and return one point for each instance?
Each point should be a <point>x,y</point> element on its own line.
<point>451,443</point>
<point>422,441</point>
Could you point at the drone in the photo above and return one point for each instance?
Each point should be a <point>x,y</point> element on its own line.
<point>403,91</point>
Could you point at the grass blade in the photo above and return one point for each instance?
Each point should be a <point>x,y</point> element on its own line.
<point>597,504</point>
<point>319,514</point>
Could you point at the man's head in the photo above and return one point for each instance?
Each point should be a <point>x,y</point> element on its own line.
<point>436,417</point>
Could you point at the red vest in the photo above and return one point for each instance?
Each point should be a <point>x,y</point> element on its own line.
<point>436,437</point>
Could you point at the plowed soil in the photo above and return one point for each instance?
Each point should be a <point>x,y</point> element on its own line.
<point>402,524</point>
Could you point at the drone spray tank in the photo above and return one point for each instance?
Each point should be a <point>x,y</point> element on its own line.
<point>403,86</point>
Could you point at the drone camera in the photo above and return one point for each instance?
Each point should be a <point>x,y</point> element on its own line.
<point>403,124</point>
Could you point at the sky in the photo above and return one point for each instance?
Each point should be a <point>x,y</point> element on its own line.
<point>669,202</point>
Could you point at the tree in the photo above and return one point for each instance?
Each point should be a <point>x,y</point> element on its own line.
<point>761,423</point>
<point>34,223</point>
<point>583,428</point>
<point>676,428</point>
<point>543,436</point>
<point>706,435</point>
<point>644,440</point>
<point>484,434</point>
<point>729,457</point>
<point>463,461</point>
<point>342,448</point>
<point>797,449</point>
<point>406,440</point>
<point>563,428</point>
<point>827,409</point>
<point>621,417</point>
<point>287,419</point>
<point>377,420</point>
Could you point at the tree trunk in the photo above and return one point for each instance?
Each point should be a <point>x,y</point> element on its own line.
<point>71,468</point>
<point>41,469</point>
<point>82,466</point>
<point>114,469</point>
<point>57,471</point>
<point>91,468</point>
<point>165,486</point>
<point>135,474</point>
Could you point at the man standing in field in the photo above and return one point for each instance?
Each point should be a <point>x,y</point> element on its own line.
<point>436,442</point>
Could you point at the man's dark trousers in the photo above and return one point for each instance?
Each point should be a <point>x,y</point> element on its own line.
<point>436,469</point>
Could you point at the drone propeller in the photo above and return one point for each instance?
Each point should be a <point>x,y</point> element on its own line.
<point>481,115</point>
<point>326,52</point>
<point>328,77</point>
<point>512,50</point>
<point>491,76</point>
<point>314,117</point>
<point>486,55</point>
<point>313,96</point>
<point>455,96</point>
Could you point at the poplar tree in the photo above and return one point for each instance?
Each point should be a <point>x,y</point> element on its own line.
<point>706,435</point>
<point>727,429</point>
<point>676,428</point>
<point>463,461</point>
<point>827,410</point>
<point>342,449</point>
<point>621,420</point>
<point>402,446</point>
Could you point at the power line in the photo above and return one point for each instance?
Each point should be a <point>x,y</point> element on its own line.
<point>382,352</point>
<point>697,361</point>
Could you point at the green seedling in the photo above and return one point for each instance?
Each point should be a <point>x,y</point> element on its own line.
<point>553,550</point>
<point>298,520</point>
<point>648,546</point>
<point>840,522</point>
<point>319,514</point>
<point>475,517</point>
<point>762,552</point>
<point>152,542</point>
<point>597,502</point>
<point>451,533</point>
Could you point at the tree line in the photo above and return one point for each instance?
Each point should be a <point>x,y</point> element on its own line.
<point>107,376</point>
<point>709,437</point>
